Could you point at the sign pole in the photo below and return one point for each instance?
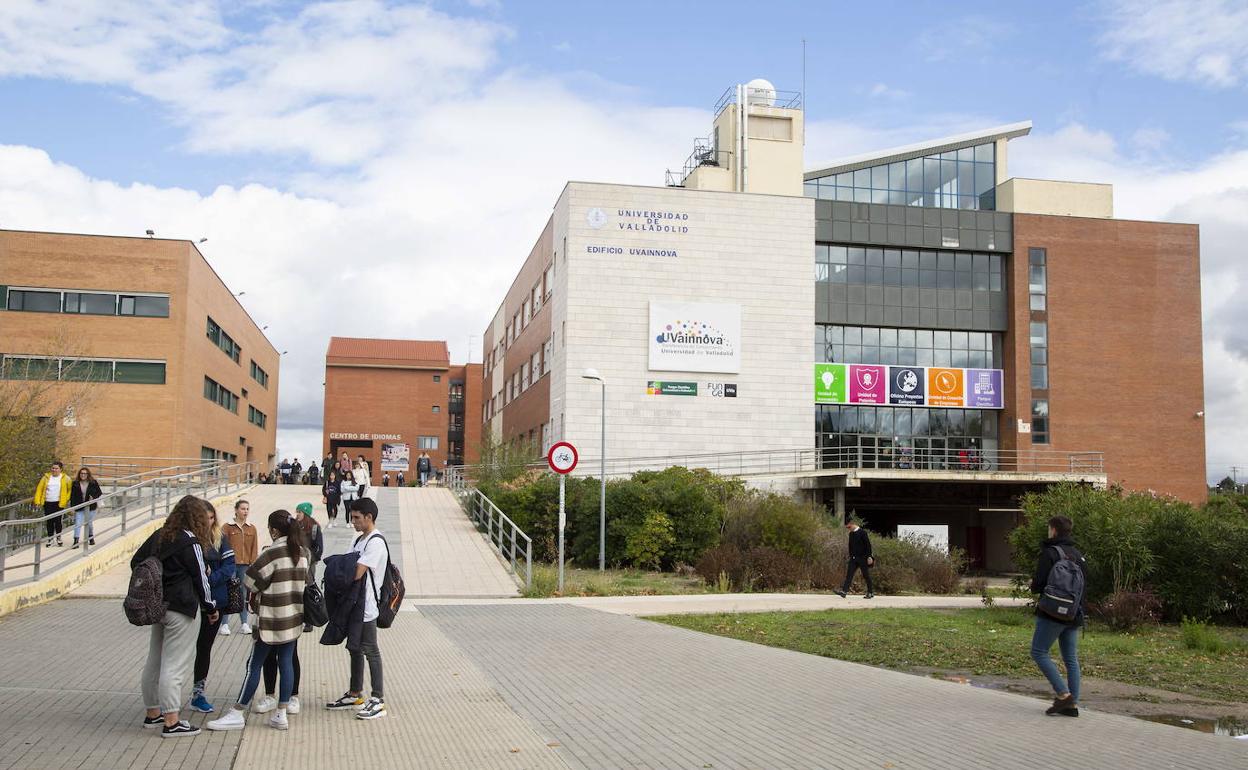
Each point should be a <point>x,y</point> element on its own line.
<point>563,521</point>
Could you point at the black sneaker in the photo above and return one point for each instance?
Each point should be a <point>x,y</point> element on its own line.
<point>347,701</point>
<point>156,721</point>
<point>840,594</point>
<point>869,596</point>
<point>179,729</point>
<point>75,545</point>
<point>1060,705</point>
<point>91,541</point>
<point>1072,711</point>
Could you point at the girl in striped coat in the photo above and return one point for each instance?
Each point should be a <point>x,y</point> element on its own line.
<point>276,580</point>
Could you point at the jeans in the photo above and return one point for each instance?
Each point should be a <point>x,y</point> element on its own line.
<point>368,649</point>
<point>1067,637</point>
<point>239,571</point>
<point>260,652</point>
<point>270,672</point>
<point>203,648</point>
<point>424,478</point>
<point>170,652</point>
<point>81,516</point>
<point>857,563</point>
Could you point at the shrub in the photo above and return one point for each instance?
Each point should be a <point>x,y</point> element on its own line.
<point>827,570</point>
<point>775,521</point>
<point>938,572</point>
<point>651,541</point>
<point>771,569</point>
<point>894,571</point>
<point>1127,610</point>
<point>1200,637</point>
<point>723,559</point>
<point>975,587</point>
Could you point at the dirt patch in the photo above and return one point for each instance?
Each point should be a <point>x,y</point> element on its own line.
<point>1172,708</point>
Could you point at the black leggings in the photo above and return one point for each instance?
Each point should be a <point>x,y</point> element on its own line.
<point>203,645</point>
<point>270,672</point>
<point>53,524</point>
<point>331,507</point>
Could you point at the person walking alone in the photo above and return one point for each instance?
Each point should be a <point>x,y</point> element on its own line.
<point>221,569</point>
<point>370,569</point>
<point>860,558</point>
<point>185,590</point>
<point>331,493</point>
<point>276,580</point>
<point>52,494</point>
<point>84,489</point>
<point>245,542</point>
<point>424,467</point>
<point>1057,548</point>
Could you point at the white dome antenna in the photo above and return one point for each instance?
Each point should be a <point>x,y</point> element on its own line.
<point>761,92</point>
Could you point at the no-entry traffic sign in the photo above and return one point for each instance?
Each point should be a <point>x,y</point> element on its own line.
<point>562,457</point>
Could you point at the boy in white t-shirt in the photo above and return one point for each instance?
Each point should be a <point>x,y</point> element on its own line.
<point>371,568</point>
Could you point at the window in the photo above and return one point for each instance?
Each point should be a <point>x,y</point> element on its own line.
<point>1040,421</point>
<point>90,304</point>
<point>223,340</point>
<point>23,368</point>
<point>907,347</point>
<point>35,301</point>
<point>963,179</point>
<point>535,297</point>
<point>426,442</point>
<point>84,370</point>
<point>1037,278</point>
<point>259,375</point>
<point>536,365</point>
<point>527,311</point>
<point>547,355</point>
<point>436,409</point>
<point>143,305</point>
<point>140,372</point>
<point>548,282</point>
<point>256,417</point>
<point>526,378</point>
<point>220,395</point>
<point>1039,355</point>
<point>515,326</point>
<point>437,378</point>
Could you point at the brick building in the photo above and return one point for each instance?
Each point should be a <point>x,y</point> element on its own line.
<point>183,371</point>
<point>976,336</point>
<point>390,400</point>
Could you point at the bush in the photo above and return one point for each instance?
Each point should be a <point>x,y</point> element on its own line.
<point>827,571</point>
<point>1127,610</point>
<point>1200,637</point>
<point>938,572</point>
<point>648,543</point>
<point>775,521</point>
<point>894,571</point>
<point>770,569</point>
<point>723,559</point>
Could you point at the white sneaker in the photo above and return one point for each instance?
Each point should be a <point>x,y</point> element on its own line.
<point>278,721</point>
<point>264,705</point>
<point>292,707</point>
<point>234,719</point>
<point>245,630</point>
<point>225,630</point>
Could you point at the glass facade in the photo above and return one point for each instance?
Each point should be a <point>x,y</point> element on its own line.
<point>83,370</point>
<point>879,266</point>
<point>956,179</point>
<point>907,347</point>
<point>906,438</point>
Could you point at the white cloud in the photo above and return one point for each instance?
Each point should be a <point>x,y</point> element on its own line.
<point>1202,41</point>
<point>962,38</point>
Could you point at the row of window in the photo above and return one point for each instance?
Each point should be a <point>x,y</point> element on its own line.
<point>539,295</point>
<point>259,375</point>
<point>210,454</point>
<point>1038,289</point>
<point>904,422</point>
<point>426,442</point>
<point>83,370</point>
<point>908,267</point>
<point>533,369</point>
<point>220,395</point>
<point>257,417</point>
<point>86,303</point>
<point>962,179</point>
<point>907,347</point>
<point>224,341</point>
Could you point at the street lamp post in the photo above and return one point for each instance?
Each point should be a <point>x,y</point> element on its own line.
<point>592,374</point>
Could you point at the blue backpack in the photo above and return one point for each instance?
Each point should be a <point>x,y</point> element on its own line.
<point>1063,592</point>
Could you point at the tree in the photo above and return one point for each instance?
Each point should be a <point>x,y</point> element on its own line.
<point>46,396</point>
<point>1227,485</point>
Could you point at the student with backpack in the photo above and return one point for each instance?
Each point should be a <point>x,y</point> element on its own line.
<point>276,580</point>
<point>168,587</point>
<point>373,569</point>
<point>1060,581</point>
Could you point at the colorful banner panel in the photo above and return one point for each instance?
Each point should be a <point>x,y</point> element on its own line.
<point>909,386</point>
<point>657,388</point>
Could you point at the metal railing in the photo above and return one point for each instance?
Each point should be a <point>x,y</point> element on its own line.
<point>704,154</point>
<point>788,100</point>
<point>505,537</point>
<point>22,539</point>
<point>104,466</point>
<point>920,462</point>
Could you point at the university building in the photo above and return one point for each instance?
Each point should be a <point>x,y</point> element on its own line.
<point>390,400</point>
<point>180,371</point>
<point>975,335</point>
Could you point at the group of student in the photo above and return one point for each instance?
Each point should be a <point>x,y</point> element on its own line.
<point>56,491</point>
<point>345,483</point>
<point>207,569</point>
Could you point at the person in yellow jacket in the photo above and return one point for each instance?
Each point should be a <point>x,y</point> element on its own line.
<point>53,494</point>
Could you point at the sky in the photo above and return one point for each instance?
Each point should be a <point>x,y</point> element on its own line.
<point>373,168</point>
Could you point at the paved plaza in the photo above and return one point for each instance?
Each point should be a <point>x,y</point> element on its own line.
<point>495,683</point>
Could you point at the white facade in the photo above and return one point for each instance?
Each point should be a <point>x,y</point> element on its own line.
<point>620,248</point>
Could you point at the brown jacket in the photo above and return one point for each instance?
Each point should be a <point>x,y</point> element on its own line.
<point>244,542</point>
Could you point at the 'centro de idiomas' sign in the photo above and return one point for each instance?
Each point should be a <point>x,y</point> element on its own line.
<point>695,337</point>
<point>886,385</point>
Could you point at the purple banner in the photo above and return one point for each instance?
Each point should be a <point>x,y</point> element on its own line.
<point>868,384</point>
<point>984,389</point>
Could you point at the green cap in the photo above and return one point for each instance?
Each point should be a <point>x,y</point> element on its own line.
<point>304,508</point>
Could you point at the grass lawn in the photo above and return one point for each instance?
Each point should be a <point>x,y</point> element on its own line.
<point>611,582</point>
<point>989,641</point>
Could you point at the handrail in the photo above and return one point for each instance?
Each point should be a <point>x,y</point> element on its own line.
<point>501,531</point>
<point>156,496</point>
<point>172,470</point>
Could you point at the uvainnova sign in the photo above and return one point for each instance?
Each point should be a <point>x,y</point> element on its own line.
<point>695,337</point>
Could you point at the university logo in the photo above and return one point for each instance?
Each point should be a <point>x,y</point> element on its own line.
<point>694,336</point>
<point>596,218</point>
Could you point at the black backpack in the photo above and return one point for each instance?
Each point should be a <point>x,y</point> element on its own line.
<point>1063,592</point>
<point>145,603</point>
<point>392,590</point>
